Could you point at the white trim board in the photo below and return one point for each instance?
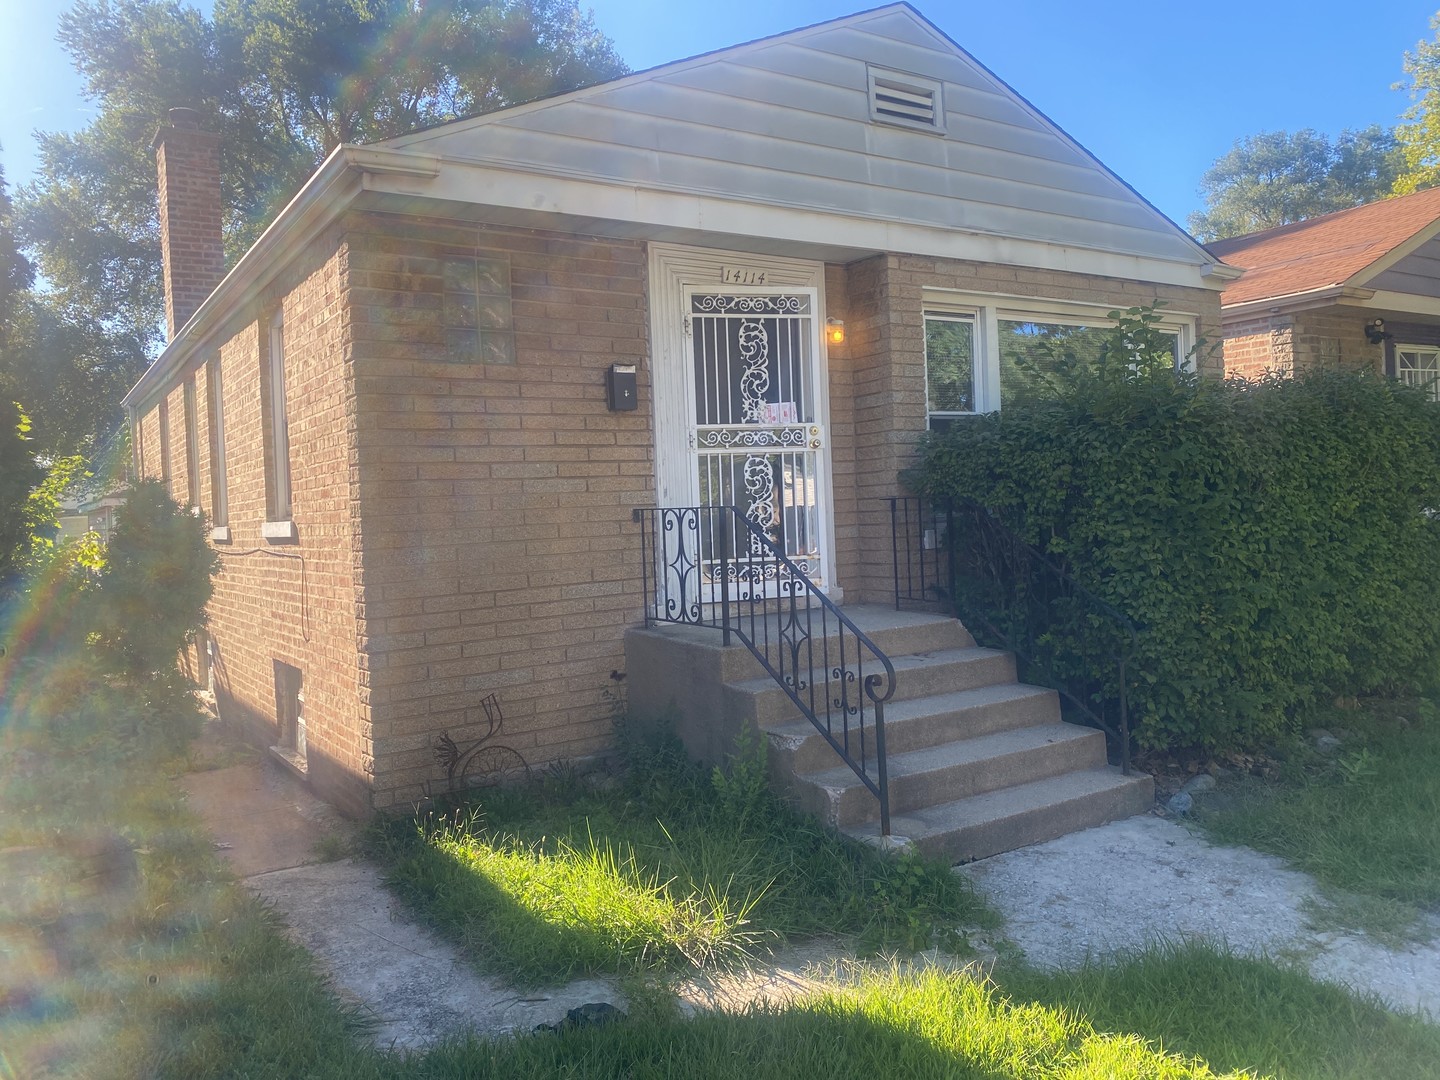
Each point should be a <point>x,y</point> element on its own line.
<point>672,270</point>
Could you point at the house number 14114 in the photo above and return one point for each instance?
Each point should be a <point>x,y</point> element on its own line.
<point>740,275</point>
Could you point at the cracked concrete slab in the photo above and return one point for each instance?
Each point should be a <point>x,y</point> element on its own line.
<point>1112,888</point>
<point>415,986</point>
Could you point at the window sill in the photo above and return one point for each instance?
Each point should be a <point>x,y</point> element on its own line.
<point>291,760</point>
<point>279,532</point>
<point>220,534</point>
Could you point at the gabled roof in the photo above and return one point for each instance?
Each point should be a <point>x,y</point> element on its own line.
<point>1346,248</point>
<point>769,146</point>
<point>786,121</point>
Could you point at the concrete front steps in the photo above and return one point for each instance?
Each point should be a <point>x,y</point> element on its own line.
<point>978,763</point>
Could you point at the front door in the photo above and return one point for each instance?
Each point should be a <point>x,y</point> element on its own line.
<point>756,436</point>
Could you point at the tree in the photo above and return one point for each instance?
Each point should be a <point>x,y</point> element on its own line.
<point>1419,135</point>
<point>19,475</point>
<point>283,82</point>
<point>1276,178</point>
<point>16,273</point>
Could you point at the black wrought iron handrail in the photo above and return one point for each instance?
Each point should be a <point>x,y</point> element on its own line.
<point>711,566</point>
<point>928,544</point>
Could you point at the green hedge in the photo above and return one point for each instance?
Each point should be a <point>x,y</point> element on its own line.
<point>1272,540</point>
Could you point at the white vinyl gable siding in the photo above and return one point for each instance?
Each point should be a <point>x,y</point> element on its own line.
<point>787,122</point>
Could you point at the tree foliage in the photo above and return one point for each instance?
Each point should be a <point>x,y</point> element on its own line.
<point>1276,178</point>
<point>19,474</point>
<point>1419,135</point>
<point>282,82</point>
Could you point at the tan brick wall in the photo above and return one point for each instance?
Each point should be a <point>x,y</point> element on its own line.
<point>1325,338</point>
<point>296,603</point>
<point>885,355</point>
<point>498,552</point>
<point>465,526</point>
<point>840,360</point>
<point>1334,339</point>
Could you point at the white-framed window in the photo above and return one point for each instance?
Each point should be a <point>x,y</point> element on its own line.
<point>1419,366</point>
<point>215,409</point>
<point>952,365</point>
<point>163,418</point>
<point>985,352</point>
<point>192,447</point>
<point>280,508</point>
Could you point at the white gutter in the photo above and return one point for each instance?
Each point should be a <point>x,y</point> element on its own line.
<point>325,195</point>
<point>1295,301</point>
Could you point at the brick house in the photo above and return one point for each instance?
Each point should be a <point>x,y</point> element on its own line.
<point>1358,289</point>
<point>405,408</point>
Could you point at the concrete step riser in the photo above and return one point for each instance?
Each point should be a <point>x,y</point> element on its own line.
<point>738,664</point>
<point>1038,825</point>
<point>854,804</point>
<point>813,753</point>
<point>770,705</point>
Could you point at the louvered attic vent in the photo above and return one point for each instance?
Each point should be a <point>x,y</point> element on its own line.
<point>907,100</point>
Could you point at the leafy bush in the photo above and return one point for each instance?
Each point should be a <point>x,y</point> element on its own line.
<point>1273,541</point>
<point>69,706</point>
<point>151,595</point>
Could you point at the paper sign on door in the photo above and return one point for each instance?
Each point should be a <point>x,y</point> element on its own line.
<point>779,412</point>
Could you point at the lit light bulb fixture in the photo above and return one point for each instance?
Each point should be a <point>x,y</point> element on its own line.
<point>835,331</point>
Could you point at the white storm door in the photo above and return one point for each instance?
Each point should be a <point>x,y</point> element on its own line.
<point>756,438</point>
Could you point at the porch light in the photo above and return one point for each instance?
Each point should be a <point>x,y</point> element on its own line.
<point>835,331</point>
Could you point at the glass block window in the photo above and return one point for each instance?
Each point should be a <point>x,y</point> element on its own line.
<point>476,311</point>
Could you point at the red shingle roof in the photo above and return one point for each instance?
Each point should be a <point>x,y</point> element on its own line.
<point>1322,251</point>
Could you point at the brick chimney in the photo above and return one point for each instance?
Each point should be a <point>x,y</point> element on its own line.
<point>189,164</point>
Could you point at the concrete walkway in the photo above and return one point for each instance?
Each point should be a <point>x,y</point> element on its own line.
<point>1116,887</point>
<point>1090,894</point>
<point>417,988</point>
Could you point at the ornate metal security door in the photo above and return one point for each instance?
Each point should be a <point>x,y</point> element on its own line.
<point>757,438</point>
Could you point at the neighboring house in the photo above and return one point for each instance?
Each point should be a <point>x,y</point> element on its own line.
<point>90,510</point>
<point>1357,289</point>
<point>397,407</point>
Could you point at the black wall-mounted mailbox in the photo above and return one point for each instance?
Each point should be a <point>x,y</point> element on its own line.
<point>620,391</point>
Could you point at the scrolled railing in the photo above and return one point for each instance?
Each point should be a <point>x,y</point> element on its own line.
<point>959,554</point>
<point>711,566</point>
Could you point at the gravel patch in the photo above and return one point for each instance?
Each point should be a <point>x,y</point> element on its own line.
<point>1144,879</point>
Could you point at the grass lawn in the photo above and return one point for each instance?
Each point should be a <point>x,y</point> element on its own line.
<point>173,971</point>
<point>1362,819</point>
<point>671,867</point>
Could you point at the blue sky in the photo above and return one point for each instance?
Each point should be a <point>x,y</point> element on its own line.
<point>1157,90</point>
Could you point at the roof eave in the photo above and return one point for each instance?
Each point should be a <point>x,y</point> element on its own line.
<point>1296,301</point>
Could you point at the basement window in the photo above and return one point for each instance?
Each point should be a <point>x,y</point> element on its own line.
<point>290,714</point>
<point>906,100</point>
